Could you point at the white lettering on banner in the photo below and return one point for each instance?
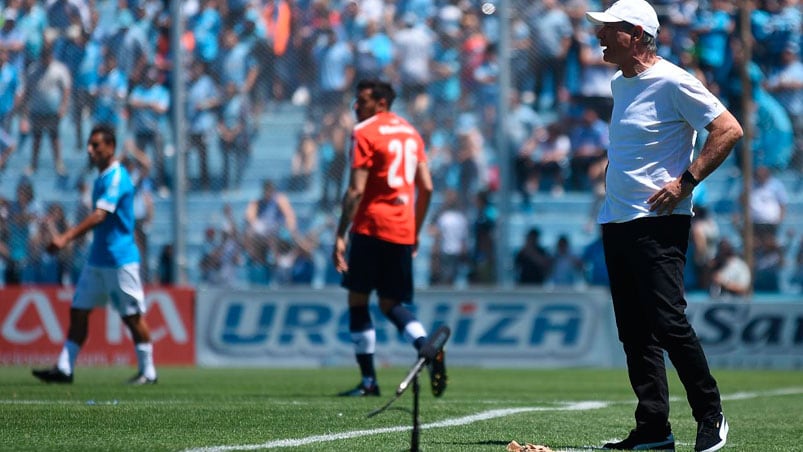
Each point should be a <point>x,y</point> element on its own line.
<point>243,326</point>
<point>13,331</point>
<point>173,326</point>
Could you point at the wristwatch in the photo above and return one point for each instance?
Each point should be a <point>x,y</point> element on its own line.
<point>688,177</point>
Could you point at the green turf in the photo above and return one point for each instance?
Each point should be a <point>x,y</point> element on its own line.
<point>194,408</point>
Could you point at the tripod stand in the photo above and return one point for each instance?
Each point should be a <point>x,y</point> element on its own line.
<point>416,434</point>
<point>427,353</point>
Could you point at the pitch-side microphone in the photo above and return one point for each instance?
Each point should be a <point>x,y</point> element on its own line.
<point>427,353</point>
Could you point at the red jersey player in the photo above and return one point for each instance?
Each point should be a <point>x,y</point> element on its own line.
<point>385,204</point>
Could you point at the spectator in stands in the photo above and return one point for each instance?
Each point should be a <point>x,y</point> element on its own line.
<point>46,268</point>
<point>768,262</point>
<point>135,50</point>
<point>12,39</point>
<point>702,249</point>
<point>566,265</point>
<point>768,200</point>
<point>773,137</point>
<point>596,177</point>
<point>548,149</point>
<point>236,63</point>
<point>796,277</point>
<point>222,252</point>
<point>552,36</point>
<point>730,273</point>
<point>595,76</point>
<point>235,129</point>
<point>5,255</point>
<point>335,73</point>
<point>444,88</point>
<point>486,80</point>
<point>533,263</point>
<point>772,27</point>
<point>109,91</point>
<point>294,262</point>
<point>304,163</point>
<point>711,31</point>
<point>206,30</point>
<point>449,229</point>
<point>32,23</point>
<point>483,253</point>
<point>148,106</point>
<point>589,143</point>
<point>277,19</point>
<point>520,44</point>
<point>22,215</point>
<point>373,53</point>
<point>270,218</point>
<point>11,89</point>
<point>47,94</point>
<point>469,164</point>
<point>786,84</point>
<point>82,58</point>
<point>594,267</point>
<point>203,100</point>
<point>473,45</point>
<point>165,270</point>
<point>334,154</point>
<point>414,49</point>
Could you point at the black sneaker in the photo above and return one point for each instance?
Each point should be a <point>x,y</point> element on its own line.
<point>641,441</point>
<point>141,380</point>
<point>437,374</point>
<point>712,434</point>
<point>361,391</point>
<point>52,375</point>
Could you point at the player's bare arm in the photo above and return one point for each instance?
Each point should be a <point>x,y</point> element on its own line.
<point>723,133</point>
<point>424,186</point>
<point>351,200</point>
<point>61,240</point>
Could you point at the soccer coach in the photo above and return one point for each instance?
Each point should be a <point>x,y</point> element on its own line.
<point>645,217</point>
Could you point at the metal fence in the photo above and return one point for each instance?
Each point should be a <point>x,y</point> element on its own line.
<point>247,189</point>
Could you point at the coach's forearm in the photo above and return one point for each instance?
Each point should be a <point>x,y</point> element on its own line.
<point>723,134</point>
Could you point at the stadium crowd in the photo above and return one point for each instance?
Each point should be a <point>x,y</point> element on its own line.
<point>103,61</point>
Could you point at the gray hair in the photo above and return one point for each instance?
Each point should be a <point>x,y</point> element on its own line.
<point>650,43</point>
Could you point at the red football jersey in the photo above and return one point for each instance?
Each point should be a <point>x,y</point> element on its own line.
<point>390,148</point>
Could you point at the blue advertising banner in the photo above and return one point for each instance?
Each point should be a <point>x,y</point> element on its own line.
<point>515,328</point>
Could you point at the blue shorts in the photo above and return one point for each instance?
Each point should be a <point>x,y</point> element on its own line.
<point>375,264</point>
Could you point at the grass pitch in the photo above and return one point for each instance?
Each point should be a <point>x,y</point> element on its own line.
<point>261,409</point>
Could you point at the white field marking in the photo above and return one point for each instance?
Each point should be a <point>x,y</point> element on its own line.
<point>465,420</point>
<point>482,416</point>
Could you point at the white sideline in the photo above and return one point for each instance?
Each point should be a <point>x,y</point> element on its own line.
<point>465,420</point>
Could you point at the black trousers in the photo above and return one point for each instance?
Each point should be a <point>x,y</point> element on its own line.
<point>645,259</point>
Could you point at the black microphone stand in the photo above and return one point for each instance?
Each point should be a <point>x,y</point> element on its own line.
<point>416,426</point>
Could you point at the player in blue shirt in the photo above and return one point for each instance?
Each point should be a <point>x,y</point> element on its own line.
<point>112,271</point>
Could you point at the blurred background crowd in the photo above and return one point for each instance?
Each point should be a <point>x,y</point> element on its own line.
<point>265,88</point>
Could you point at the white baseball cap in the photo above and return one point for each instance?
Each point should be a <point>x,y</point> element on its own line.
<point>634,12</point>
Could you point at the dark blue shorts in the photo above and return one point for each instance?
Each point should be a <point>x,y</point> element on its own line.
<point>375,264</point>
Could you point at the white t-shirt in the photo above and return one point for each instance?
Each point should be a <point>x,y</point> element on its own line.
<point>653,127</point>
<point>453,226</point>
